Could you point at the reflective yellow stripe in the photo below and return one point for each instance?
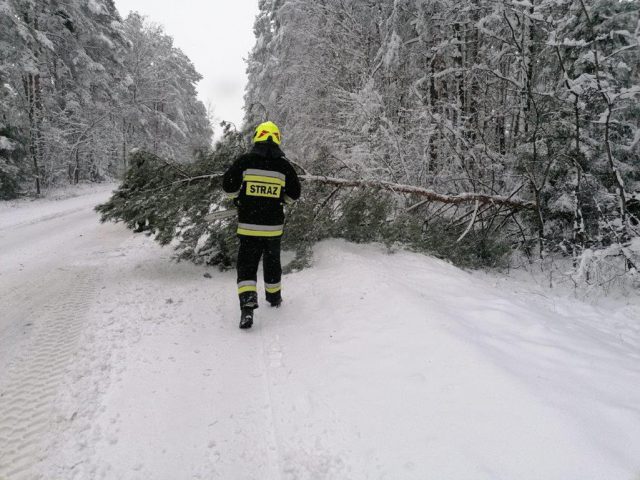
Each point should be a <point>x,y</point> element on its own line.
<point>248,288</point>
<point>259,233</point>
<point>265,173</point>
<point>273,290</point>
<point>260,178</point>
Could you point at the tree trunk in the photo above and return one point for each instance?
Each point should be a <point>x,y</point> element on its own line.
<point>76,170</point>
<point>124,145</point>
<point>33,94</point>
<point>617,177</point>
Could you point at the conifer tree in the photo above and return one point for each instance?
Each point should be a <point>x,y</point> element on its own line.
<point>67,80</point>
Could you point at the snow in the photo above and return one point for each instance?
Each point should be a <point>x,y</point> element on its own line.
<point>96,8</point>
<point>202,241</point>
<point>44,40</point>
<point>119,363</point>
<point>6,144</point>
<point>570,42</point>
<point>9,89</point>
<point>393,51</point>
<point>564,203</point>
<point>57,203</point>
<point>628,93</point>
<point>106,40</point>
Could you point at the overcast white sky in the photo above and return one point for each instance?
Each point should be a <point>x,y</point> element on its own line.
<point>217,37</point>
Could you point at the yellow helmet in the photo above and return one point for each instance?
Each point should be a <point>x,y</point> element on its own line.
<point>267,130</point>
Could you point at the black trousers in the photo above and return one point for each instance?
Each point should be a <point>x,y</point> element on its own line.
<point>249,254</point>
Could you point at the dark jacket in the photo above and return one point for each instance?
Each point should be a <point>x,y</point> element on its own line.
<point>261,181</point>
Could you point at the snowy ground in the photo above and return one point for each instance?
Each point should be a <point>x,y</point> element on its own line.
<point>116,363</point>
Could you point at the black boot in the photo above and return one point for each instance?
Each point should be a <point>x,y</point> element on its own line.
<point>276,302</point>
<point>246,318</point>
<point>274,299</point>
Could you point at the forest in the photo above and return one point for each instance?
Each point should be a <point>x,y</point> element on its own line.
<point>536,100</point>
<point>80,87</point>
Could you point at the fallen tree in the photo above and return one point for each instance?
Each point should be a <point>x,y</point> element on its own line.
<point>170,201</point>
<point>461,198</point>
<point>456,199</point>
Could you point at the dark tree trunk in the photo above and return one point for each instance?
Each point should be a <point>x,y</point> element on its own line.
<point>33,93</point>
<point>76,170</point>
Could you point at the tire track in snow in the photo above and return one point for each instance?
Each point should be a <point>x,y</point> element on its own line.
<point>29,389</point>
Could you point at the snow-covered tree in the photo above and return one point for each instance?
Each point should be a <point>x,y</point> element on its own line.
<point>61,64</point>
<point>536,99</point>
<point>68,91</point>
<point>161,112</point>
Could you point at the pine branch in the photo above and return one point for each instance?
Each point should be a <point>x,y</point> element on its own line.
<point>458,199</point>
<point>461,198</point>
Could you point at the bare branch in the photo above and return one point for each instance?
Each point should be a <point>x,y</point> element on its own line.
<point>458,199</point>
<point>473,220</point>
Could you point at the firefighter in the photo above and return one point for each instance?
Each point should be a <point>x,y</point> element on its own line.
<point>261,182</point>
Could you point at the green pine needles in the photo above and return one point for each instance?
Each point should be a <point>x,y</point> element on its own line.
<point>170,201</point>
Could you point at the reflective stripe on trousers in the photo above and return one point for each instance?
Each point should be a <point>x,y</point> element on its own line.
<point>272,287</point>
<point>247,286</point>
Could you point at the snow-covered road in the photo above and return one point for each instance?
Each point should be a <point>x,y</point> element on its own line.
<point>116,363</point>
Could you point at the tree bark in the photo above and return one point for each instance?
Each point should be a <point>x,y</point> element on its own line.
<point>457,199</point>
<point>34,104</point>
